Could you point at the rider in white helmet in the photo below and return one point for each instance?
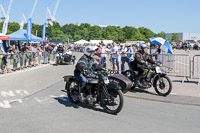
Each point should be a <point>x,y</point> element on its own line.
<point>85,64</point>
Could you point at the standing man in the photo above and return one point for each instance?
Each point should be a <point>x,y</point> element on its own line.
<point>114,53</point>
<point>123,54</point>
<point>130,55</point>
<point>103,52</point>
<point>15,56</point>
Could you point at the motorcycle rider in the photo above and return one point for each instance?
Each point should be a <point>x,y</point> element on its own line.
<point>85,65</point>
<point>140,63</point>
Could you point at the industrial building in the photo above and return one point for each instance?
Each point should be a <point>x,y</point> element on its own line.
<point>185,36</point>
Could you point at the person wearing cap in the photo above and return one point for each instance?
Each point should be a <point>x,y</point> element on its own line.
<point>130,54</point>
<point>122,50</point>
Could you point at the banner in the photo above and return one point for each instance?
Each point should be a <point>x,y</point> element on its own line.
<point>5,26</point>
<point>44,31</point>
<point>29,29</point>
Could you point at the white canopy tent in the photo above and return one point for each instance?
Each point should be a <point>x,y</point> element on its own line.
<point>81,42</point>
<point>98,41</point>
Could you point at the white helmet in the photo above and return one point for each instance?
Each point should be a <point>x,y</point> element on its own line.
<point>142,46</point>
<point>89,49</point>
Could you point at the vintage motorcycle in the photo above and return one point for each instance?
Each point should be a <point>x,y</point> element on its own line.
<point>99,90</point>
<point>153,76</point>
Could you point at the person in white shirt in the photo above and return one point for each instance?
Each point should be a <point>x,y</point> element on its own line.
<point>103,52</point>
<point>114,53</point>
<point>122,51</point>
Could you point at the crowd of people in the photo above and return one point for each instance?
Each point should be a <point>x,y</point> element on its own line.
<point>24,55</point>
<point>193,45</point>
<point>120,54</point>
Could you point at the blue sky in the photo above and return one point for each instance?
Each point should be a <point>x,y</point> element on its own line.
<point>158,15</point>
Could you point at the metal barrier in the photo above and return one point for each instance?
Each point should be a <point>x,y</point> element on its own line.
<point>196,68</point>
<point>178,65</point>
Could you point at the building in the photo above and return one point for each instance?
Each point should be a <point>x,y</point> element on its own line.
<point>185,36</point>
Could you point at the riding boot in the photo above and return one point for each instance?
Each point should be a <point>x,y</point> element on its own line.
<point>138,81</point>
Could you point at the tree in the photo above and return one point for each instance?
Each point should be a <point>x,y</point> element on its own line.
<point>162,34</point>
<point>175,36</point>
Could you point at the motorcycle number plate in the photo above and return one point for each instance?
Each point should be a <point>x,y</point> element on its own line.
<point>158,70</point>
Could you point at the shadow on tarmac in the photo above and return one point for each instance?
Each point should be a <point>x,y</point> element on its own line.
<point>138,90</point>
<point>65,101</point>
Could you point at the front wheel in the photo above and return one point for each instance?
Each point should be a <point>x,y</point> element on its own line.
<point>163,85</point>
<point>113,101</point>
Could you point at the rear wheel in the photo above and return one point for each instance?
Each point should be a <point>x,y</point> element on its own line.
<point>113,102</point>
<point>163,85</point>
<point>73,92</point>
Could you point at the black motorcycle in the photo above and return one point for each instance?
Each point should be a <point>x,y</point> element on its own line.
<point>98,91</point>
<point>153,77</point>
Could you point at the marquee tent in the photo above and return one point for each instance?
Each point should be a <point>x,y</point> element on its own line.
<point>81,42</point>
<point>20,35</point>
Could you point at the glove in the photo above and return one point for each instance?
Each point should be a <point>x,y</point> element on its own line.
<point>104,69</point>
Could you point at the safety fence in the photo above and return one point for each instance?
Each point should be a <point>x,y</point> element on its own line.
<point>196,68</point>
<point>177,65</point>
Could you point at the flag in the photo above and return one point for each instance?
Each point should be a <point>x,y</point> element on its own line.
<point>5,26</point>
<point>44,31</point>
<point>29,29</point>
<point>22,25</point>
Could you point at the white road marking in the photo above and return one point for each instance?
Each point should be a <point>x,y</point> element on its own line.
<point>5,104</point>
<point>22,92</point>
<point>7,93</point>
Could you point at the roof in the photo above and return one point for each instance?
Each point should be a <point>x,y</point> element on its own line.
<point>20,35</point>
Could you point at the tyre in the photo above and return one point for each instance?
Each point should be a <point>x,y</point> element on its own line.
<point>163,85</point>
<point>73,92</point>
<point>114,102</point>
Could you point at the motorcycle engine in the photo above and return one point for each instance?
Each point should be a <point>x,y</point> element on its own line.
<point>91,94</point>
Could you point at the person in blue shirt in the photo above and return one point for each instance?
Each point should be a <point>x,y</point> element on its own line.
<point>130,54</point>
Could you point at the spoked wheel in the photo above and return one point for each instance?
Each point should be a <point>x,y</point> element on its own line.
<point>113,102</point>
<point>73,92</point>
<point>163,85</point>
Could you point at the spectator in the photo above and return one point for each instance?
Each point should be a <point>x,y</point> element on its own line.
<point>130,54</point>
<point>39,51</point>
<point>122,51</point>
<point>34,54</point>
<point>114,55</point>
<point>3,58</point>
<point>9,56</point>
<point>103,52</point>
<point>15,56</point>
<point>157,53</point>
<point>119,57</point>
<point>45,53</point>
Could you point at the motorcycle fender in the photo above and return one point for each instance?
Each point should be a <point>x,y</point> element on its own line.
<point>156,76</point>
<point>68,78</point>
<point>114,86</point>
<point>126,82</point>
